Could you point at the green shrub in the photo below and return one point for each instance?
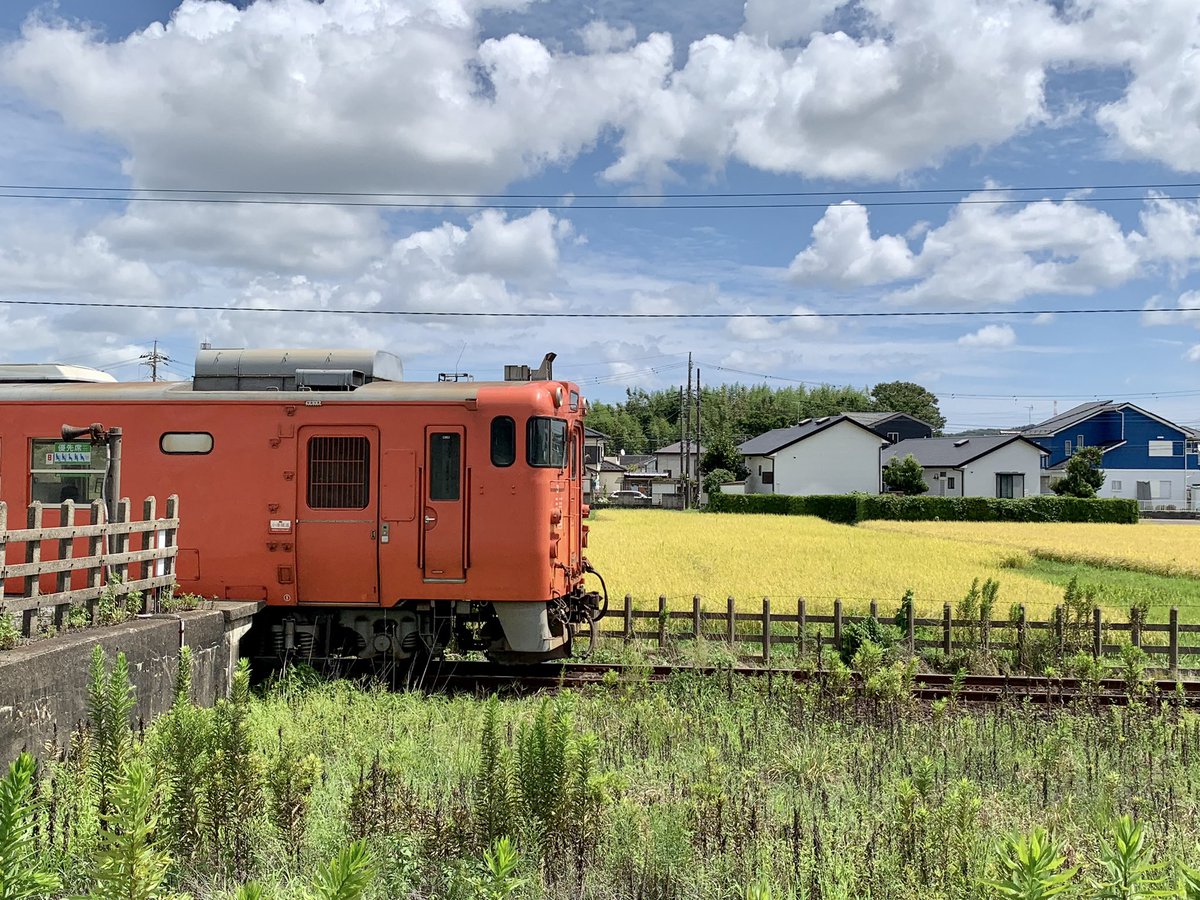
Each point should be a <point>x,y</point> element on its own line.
<point>847,509</point>
<point>859,632</point>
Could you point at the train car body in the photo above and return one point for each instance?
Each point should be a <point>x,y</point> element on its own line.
<point>376,518</point>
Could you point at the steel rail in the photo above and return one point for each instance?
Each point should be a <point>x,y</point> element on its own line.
<point>481,677</point>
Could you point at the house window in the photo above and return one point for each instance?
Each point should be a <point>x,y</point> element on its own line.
<point>1116,487</point>
<point>1067,447</point>
<point>1079,441</point>
<point>768,478</point>
<point>1164,490</point>
<point>67,470</point>
<point>1010,485</point>
<point>1162,448</point>
<point>950,483</point>
<point>893,437</point>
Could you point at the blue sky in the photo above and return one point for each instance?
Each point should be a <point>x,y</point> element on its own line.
<point>951,102</point>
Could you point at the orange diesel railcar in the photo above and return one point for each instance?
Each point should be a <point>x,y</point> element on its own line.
<point>377,518</point>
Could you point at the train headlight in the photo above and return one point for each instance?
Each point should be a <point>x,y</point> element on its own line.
<point>558,396</point>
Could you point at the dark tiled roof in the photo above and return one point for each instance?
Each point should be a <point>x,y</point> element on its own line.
<point>766,444</point>
<point>677,448</point>
<point>593,433</point>
<point>1075,414</point>
<point>607,465</point>
<point>952,453</point>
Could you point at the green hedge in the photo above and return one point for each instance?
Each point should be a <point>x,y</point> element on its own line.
<point>847,509</point>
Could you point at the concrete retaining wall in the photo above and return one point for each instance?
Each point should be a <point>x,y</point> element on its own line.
<point>43,685</point>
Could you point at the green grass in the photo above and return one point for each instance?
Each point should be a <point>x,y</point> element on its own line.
<point>1123,588</point>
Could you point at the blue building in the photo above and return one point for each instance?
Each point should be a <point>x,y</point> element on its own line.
<point>1145,457</point>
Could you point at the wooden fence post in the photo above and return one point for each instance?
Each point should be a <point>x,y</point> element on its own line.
<point>1097,633</point>
<point>97,547</point>
<point>33,554</point>
<point>947,641</point>
<point>731,621</point>
<point>696,617</point>
<point>766,633</point>
<point>910,629</point>
<point>801,626</point>
<point>1022,627</point>
<point>628,618</point>
<point>875,610</point>
<point>837,625</point>
<point>66,547</point>
<point>1135,626</point>
<point>1173,650</point>
<point>662,621</point>
<point>123,540</point>
<point>3,551</point>
<point>149,541</point>
<point>172,534</point>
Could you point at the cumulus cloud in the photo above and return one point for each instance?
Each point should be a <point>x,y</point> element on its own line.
<point>783,21</point>
<point>844,254</point>
<point>987,254</point>
<point>799,323</point>
<point>990,336</point>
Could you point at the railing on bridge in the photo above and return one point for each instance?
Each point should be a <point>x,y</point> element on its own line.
<point>53,576</point>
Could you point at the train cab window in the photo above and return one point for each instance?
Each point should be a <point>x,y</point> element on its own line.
<point>504,441</point>
<point>339,472</point>
<point>445,455</point>
<point>546,442</point>
<point>66,470</point>
<point>186,442</point>
<point>574,401</point>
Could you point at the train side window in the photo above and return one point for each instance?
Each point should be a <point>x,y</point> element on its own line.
<point>66,470</point>
<point>574,401</point>
<point>186,442</point>
<point>445,456</point>
<point>504,441</point>
<point>546,442</point>
<point>339,472</point>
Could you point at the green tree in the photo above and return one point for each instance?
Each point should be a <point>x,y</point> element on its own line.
<point>714,479</point>
<point>905,475</point>
<point>1084,475</point>
<point>907,397</point>
<point>723,454</point>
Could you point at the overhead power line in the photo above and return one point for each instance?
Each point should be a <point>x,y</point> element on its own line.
<point>559,195</point>
<point>566,205</point>
<point>484,314</point>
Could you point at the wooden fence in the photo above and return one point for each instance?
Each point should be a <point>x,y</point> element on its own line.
<point>809,633</point>
<point>80,581</point>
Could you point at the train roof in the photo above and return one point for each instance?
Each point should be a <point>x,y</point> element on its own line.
<point>183,392</point>
<point>52,373</point>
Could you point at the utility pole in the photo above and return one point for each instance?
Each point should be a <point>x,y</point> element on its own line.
<point>682,432</point>
<point>153,358</point>
<point>687,448</point>
<point>699,409</point>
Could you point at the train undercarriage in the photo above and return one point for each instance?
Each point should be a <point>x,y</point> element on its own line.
<point>420,631</point>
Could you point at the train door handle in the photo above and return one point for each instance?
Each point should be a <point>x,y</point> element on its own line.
<point>429,520</point>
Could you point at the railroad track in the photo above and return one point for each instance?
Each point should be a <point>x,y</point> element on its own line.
<point>486,678</point>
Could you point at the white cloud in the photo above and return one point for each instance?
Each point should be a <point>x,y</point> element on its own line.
<point>56,260</point>
<point>998,254</point>
<point>1193,354</point>
<point>843,252</point>
<point>780,328</point>
<point>782,21</point>
<point>346,94</point>
<point>990,336</point>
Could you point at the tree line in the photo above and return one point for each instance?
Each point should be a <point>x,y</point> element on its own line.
<point>733,413</point>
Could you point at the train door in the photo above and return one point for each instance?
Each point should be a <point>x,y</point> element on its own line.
<point>337,515</point>
<point>445,495</point>
<point>572,521</point>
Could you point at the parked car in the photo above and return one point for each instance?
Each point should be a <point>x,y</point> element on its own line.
<point>628,495</point>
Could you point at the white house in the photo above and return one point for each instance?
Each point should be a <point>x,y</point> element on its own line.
<point>829,455</point>
<point>669,459</point>
<point>1003,465</point>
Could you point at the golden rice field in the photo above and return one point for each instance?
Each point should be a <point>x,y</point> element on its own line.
<point>1160,549</point>
<point>650,552</point>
